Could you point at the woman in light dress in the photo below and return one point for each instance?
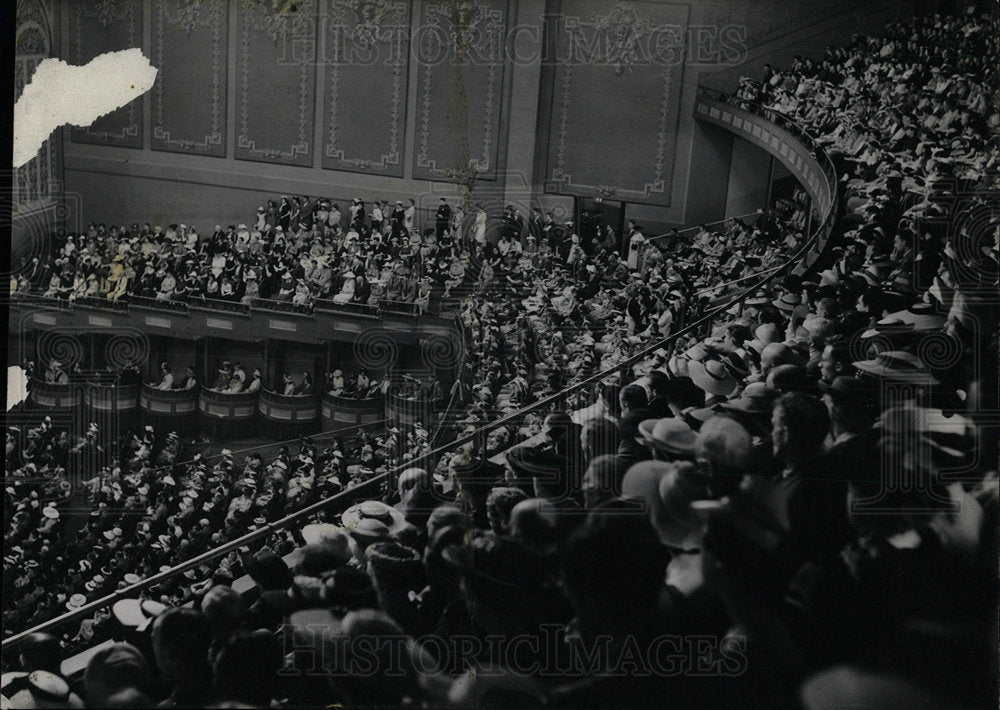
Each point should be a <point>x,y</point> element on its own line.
<point>635,246</point>
<point>347,291</point>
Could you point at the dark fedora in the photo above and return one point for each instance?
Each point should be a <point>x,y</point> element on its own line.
<point>756,398</point>
<point>851,391</point>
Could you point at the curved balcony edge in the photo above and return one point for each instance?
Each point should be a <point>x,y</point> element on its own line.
<point>339,412</point>
<point>781,138</point>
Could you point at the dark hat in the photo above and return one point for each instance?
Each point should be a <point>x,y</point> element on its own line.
<point>756,398</point>
<point>852,391</point>
<point>392,559</point>
<point>317,558</point>
<point>349,588</point>
<point>268,570</point>
<point>490,559</point>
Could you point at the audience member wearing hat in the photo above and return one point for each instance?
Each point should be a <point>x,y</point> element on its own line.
<point>713,378</point>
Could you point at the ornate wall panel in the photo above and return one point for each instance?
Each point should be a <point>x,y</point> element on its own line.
<point>366,52</point>
<point>189,97</point>
<point>36,181</point>
<point>276,58</point>
<point>103,26</point>
<point>459,93</point>
<point>616,98</point>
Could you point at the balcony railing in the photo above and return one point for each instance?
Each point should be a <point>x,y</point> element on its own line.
<point>157,304</point>
<point>268,304</point>
<point>359,309</point>
<point>214,304</point>
<point>256,305</point>
<point>101,303</point>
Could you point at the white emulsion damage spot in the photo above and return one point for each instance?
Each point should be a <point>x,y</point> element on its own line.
<point>60,93</point>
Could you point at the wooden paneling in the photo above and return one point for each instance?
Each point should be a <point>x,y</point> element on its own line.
<point>190,50</point>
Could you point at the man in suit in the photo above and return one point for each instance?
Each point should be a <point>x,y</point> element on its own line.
<point>442,218</point>
<point>536,223</point>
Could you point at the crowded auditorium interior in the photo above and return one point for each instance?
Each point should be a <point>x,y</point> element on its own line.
<point>508,354</point>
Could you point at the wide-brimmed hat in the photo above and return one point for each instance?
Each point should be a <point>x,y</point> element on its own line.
<point>76,601</point>
<point>898,366</point>
<point>756,398</point>
<point>949,436</point>
<point>853,391</point>
<point>920,317</point>
<point>136,613</point>
<point>887,326</point>
<point>328,534</point>
<point>376,511</point>
<point>712,377</point>
<point>666,489</point>
<point>669,434</point>
<point>787,302</point>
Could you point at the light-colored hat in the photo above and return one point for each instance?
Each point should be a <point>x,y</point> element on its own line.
<point>670,434</point>
<point>374,510</point>
<point>898,366</point>
<point>712,377</point>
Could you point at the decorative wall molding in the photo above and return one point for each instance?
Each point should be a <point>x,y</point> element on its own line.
<point>272,33</point>
<point>120,22</point>
<point>476,34</point>
<point>36,182</point>
<point>374,36</point>
<point>617,66</point>
<point>193,25</point>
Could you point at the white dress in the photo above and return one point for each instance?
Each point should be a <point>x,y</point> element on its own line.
<point>346,293</point>
<point>480,233</point>
<point>635,244</point>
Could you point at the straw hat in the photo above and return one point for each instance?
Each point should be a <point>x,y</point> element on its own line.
<point>373,510</point>
<point>668,434</point>
<point>898,366</point>
<point>712,377</point>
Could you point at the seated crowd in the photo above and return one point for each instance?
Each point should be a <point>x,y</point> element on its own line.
<point>796,507</point>
<point>151,510</point>
<point>293,255</point>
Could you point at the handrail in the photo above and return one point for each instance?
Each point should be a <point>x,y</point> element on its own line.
<point>376,482</point>
<point>326,305</point>
<point>213,304</point>
<point>101,304</point>
<point>157,304</point>
<point>173,394</point>
<point>272,305</point>
<point>700,226</point>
